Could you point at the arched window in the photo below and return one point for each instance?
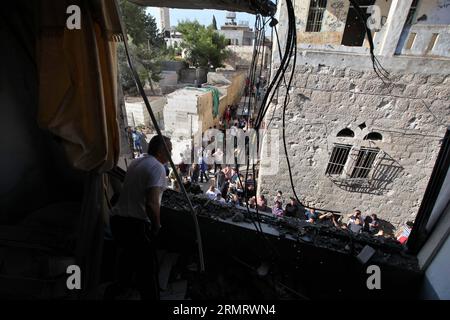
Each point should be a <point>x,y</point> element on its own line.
<point>373,136</point>
<point>346,133</point>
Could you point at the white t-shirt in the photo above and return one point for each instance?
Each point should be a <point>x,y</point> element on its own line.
<point>233,131</point>
<point>356,228</point>
<point>143,173</point>
<point>222,200</point>
<point>212,194</point>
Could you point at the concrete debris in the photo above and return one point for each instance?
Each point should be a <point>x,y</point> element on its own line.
<point>366,253</point>
<point>238,217</point>
<point>317,235</point>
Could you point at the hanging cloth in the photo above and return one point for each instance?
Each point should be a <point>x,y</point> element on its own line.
<point>78,95</point>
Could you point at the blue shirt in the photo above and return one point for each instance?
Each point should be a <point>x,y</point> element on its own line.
<point>310,215</point>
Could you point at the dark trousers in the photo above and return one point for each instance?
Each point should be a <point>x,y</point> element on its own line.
<point>203,174</point>
<point>136,255</point>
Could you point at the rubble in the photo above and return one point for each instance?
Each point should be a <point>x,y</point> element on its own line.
<point>387,251</point>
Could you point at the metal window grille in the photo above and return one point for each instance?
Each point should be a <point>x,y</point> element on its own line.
<point>315,16</point>
<point>411,13</point>
<point>338,159</point>
<point>364,163</point>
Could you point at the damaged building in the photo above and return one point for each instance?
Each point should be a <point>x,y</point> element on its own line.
<point>357,140</point>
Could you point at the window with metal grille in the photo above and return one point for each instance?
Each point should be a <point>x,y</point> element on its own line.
<point>364,162</point>
<point>338,159</point>
<point>315,16</point>
<point>411,13</point>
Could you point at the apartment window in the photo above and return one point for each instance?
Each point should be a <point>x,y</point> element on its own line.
<point>355,27</point>
<point>338,159</point>
<point>364,163</point>
<point>315,16</point>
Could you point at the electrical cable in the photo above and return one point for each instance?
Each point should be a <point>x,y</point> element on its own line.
<point>290,50</point>
<point>284,79</point>
<point>376,65</point>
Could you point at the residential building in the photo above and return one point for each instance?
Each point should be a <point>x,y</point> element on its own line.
<point>356,140</point>
<point>239,34</point>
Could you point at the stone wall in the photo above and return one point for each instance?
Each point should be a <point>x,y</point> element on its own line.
<point>192,75</point>
<point>411,113</point>
<point>240,57</point>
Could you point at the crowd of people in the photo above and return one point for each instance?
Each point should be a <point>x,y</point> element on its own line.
<point>227,185</point>
<point>230,187</point>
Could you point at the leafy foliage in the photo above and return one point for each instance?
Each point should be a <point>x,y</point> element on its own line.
<point>204,46</point>
<point>146,44</point>
<point>141,26</point>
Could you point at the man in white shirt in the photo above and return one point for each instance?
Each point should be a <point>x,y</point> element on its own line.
<point>212,192</point>
<point>135,220</point>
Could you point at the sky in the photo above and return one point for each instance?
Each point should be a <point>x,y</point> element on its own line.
<point>203,16</point>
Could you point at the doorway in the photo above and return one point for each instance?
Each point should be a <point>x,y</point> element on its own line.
<point>355,31</point>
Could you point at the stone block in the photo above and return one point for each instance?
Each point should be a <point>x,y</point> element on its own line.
<point>331,84</point>
<point>343,85</point>
<point>369,75</point>
<point>373,86</point>
<point>401,105</point>
<point>436,79</point>
<point>420,79</point>
<point>324,70</point>
<point>353,74</point>
<point>410,91</point>
<point>369,100</point>
<point>444,93</point>
<point>358,85</point>
<point>336,97</point>
<point>407,79</point>
<point>398,89</point>
<point>300,80</point>
<point>302,68</point>
<point>339,73</point>
<point>447,80</point>
<point>312,82</point>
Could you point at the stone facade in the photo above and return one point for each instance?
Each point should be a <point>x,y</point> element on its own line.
<point>335,88</point>
<point>411,113</point>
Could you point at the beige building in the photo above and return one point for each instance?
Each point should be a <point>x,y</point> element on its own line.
<point>237,33</point>
<point>137,114</point>
<point>354,140</point>
<point>188,112</point>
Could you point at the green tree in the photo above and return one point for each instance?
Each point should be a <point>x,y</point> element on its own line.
<point>204,46</point>
<point>140,25</point>
<point>146,44</point>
